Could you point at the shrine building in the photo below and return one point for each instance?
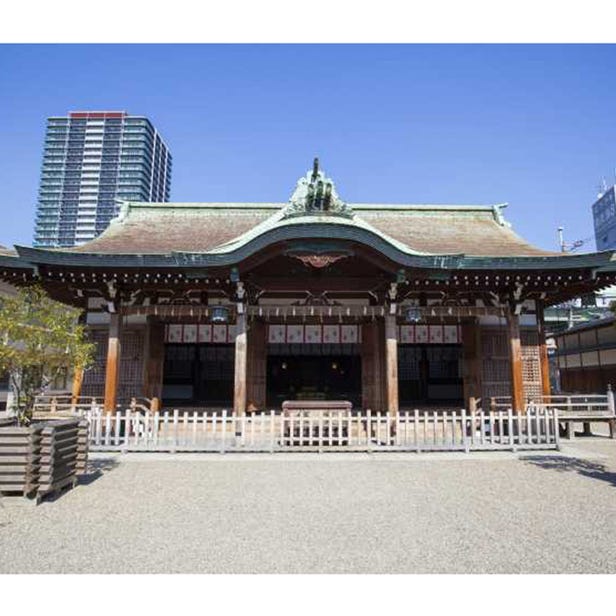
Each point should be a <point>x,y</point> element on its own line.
<point>245,305</point>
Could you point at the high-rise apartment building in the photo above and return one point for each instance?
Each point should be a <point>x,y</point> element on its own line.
<point>604,217</point>
<point>92,159</point>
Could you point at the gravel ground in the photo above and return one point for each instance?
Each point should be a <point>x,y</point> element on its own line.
<point>328,513</point>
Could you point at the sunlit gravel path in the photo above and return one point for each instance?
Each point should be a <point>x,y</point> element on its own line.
<point>333,513</point>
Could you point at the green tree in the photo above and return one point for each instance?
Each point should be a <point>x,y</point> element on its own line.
<point>39,339</point>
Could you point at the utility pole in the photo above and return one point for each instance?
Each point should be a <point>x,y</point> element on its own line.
<point>561,240</point>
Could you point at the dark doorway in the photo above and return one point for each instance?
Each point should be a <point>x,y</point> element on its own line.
<point>430,374</point>
<point>199,374</point>
<point>324,374</point>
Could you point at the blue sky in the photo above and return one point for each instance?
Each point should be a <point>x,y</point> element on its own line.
<point>532,125</point>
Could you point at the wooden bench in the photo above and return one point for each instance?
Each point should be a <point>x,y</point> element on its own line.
<point>568,415</point>
<point>568,419</point>
<point>315,422</point>
<point>572,408</point>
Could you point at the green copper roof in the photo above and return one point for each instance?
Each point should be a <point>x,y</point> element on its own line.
<point>225,234</point>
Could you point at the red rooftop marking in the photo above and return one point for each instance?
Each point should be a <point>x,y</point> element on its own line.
<point>91,115</point>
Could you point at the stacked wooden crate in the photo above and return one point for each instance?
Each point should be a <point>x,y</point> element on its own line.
<point>20,450</point>
<point>59,456</point>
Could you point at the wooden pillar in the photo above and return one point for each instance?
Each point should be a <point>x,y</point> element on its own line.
<point>471,355</point>
<point>256,370</point>
<point>113,362</point>
<point>241,351</point>
<point>154,358</point>
<point>373,388</point>
<point>543,350</point>
<point>391,363</point>
<point>380,369</point>
<point>368,367</point>
<point>515,358</point>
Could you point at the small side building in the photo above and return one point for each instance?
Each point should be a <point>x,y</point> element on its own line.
<point>586,356</point>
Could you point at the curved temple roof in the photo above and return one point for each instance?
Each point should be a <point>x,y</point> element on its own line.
<point>162,228</point>
<point>222,234</point>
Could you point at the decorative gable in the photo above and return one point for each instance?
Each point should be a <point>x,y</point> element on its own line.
<point>316,194</point>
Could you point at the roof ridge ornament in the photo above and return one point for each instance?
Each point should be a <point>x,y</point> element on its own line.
<point>315,193</point>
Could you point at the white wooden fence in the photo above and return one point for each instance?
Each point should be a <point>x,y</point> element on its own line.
<point>271,432</point>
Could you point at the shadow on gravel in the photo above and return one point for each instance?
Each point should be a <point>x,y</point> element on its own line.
<point>577,465</point>
<point>96,469</point>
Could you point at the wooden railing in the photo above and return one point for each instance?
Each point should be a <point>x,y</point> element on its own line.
<point>337,431</point>
<point>67,405</point>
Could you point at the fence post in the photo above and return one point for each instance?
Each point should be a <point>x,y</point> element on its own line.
<point>396,439</point>
<point>224,431</point>
<point>368,430</point>
<point>155,428</point>
<point>99,427</point>
<point>185,429</point>
<point>610,400</point>
<point>556,429</point>
<point>174,443</point>
<point>472,408</point>
<point>510,424</point>
<point>126,431</point>
<point>464,435</point>
<point>272,426</point>
<point>118,423</point>
<point>282,439</point>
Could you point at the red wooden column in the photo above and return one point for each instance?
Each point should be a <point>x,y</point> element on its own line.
<point>391,364</point>
<point>113,362</point>
<point>374,391</point>
<point>543,351</point>
<point>471,349</point>
<point>154,359</point>
<point>369,378</point>
<point>380,368</point>
<point>241,355</point>
<point>256,370</point>
<point>515,358</point>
